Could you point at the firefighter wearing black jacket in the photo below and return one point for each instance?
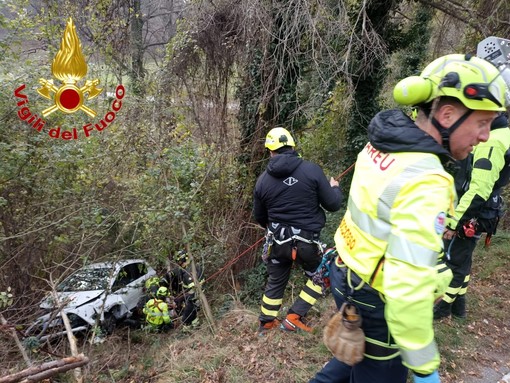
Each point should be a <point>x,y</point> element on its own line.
<point>182,286</point>
<point>289,198</point>
<point>479,184</point>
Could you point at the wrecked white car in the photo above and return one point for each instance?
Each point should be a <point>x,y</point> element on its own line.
<point>100,293</point>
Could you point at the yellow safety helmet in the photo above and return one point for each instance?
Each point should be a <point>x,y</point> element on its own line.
<point>475,82</point>
<point>277,138</point>
<point>162,292</point>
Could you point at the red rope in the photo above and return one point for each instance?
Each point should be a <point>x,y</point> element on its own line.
<point>345,172</point>
<point>234,260</point>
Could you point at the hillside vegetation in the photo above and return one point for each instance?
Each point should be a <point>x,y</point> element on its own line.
<point>204,82</point>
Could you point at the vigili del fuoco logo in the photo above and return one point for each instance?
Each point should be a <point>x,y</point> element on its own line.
<point>69,67</point>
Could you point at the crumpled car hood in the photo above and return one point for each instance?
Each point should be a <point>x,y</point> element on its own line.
<point>75,298</point>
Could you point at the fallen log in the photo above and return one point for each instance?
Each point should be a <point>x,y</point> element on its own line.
<point>45,370</point>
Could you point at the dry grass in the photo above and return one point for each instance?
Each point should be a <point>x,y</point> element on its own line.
<point>477,350</point>
<point>236,353</point>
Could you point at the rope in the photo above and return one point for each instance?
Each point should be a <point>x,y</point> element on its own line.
<point>234,260</point>
<point>341,175</point>
<point>228,264</point>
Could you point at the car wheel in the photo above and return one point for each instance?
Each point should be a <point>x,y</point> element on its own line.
<point>109,323</point>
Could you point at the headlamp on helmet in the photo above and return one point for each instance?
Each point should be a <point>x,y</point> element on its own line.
<point>278,138</point>
<point>181,256</point>
<point>476,83</point>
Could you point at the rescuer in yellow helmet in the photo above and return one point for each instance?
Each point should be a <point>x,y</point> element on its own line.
<point>156,312</point>
<point>289,199</point>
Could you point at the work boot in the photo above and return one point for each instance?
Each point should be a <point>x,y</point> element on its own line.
<point>293,323</point>
<point>267,326</point>
<point>459,307</point>
<point>442,310</point>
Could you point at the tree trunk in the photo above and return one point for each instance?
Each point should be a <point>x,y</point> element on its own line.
<point>137,69</point>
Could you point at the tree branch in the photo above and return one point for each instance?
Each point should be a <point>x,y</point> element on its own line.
<point>460,12</point>
<point>36,373</point>
<point>27,360</point>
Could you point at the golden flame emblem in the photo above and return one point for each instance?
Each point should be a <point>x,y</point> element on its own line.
<point>69,67</point>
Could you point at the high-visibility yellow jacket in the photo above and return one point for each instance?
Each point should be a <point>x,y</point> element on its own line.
<point>152,281</point>
<point>156,312</point>
<point>489,175</point>
<point>391,234</point>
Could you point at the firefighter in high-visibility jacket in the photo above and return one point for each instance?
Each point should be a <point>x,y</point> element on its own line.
<point>156,312</point>
<point>389,242</point>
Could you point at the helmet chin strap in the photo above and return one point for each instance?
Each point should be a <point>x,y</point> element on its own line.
<point>446,133</point>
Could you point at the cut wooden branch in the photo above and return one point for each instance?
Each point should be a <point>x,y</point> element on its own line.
<point>54,371</point>
<point>45,370</point>
<point>13,334</point>
<point>198,286</point>
<point>70,336</point>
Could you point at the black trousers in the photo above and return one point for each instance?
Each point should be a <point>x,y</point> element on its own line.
<point>190,310</point>
<point>460,251</point>
<point>382,370</point>
<point>279,269</point>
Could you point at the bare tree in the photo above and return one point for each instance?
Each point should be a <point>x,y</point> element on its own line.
<point>486,17</point>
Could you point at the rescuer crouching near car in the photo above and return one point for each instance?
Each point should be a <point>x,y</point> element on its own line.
<point>157,316</point>
<point>150,290</point>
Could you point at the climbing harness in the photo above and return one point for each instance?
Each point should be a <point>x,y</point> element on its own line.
<point>281,235</point>
<point>321,276</point>
<point>268,244</point>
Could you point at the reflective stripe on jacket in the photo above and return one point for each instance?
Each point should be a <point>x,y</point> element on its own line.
<point>187,278</point>
<point>156,312</point>
<point>391,236</point>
